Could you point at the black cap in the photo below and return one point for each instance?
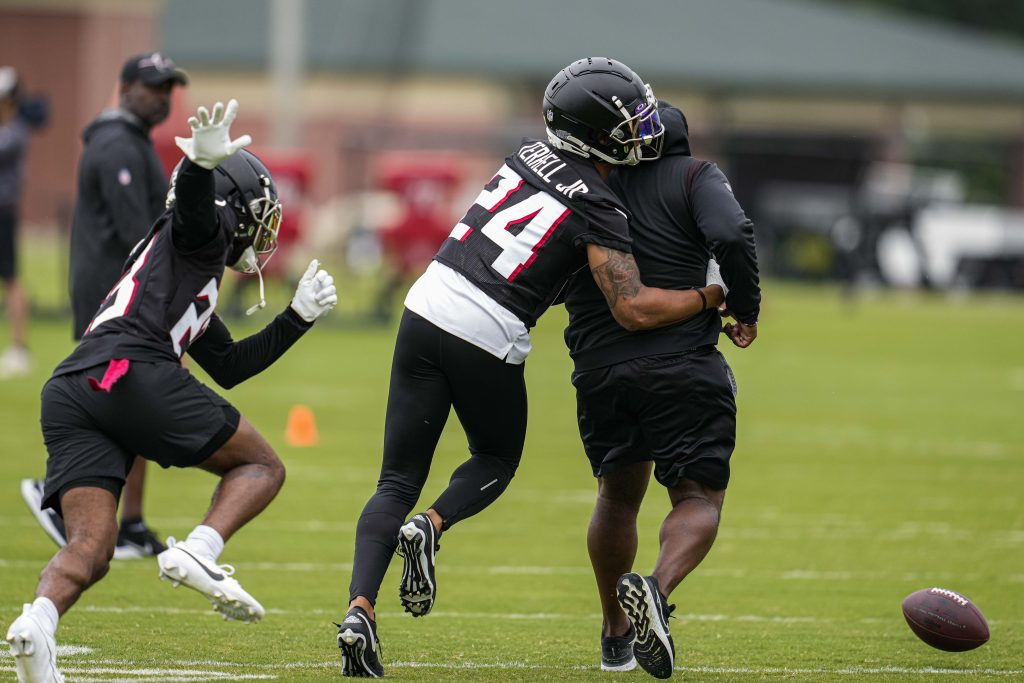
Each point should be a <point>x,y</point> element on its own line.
<point>152,68</point>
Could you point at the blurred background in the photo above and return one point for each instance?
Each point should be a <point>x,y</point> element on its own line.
<point>873,142</point>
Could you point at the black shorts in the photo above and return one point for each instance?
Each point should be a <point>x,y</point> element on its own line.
<point>156,410</point>
<point>678,410</point>
<point>8,243</point>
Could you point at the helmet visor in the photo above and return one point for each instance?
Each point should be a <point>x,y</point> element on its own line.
<point>643,126</point>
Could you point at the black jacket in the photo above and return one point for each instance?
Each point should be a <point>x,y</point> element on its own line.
<point>121,192</point>
<point>683,212</point>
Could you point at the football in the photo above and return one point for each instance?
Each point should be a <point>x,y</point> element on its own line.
<point>945,619</point>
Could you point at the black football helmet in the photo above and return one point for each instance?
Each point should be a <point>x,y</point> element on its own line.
<point>244,184</point>
<point>598,107</point>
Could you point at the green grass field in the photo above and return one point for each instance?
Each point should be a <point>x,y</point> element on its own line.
<point>880,451</point>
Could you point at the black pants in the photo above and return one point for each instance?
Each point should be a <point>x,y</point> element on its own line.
<point>432,372</point>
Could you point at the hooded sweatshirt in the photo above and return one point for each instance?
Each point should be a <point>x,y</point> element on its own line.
<point>121,192</point>
<point>683,213</point>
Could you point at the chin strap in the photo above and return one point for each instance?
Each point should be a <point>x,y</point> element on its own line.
<point>263,300</point>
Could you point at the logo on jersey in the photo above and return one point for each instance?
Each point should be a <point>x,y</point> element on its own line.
<point>124,176</point>
<point>192,323</point>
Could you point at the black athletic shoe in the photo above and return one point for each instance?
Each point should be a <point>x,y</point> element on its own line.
<point>617,652</point>
<point>53,525</point>
<point>648,611</point>
<point>417,543</point>
<point>357,638</point>
<point>135,539</point>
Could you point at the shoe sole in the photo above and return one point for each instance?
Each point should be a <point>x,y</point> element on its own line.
<point>652,646</point>
<point>227,607</point>
<point>628,666</point>
<point>353,648</point>
<point>29,496</point>
<point>416,591</point>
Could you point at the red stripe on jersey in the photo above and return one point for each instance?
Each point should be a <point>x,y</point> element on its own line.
<point>540,242</point>
<point>508,194</point>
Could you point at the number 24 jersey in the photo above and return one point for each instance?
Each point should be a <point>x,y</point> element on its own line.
<point>526,232</point>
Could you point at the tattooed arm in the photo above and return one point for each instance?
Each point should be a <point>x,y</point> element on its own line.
<point>637,307</point>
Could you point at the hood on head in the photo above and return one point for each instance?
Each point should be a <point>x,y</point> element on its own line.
<point>677,131</point>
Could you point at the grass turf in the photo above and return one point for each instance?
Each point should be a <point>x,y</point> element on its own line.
<point>880,451</point>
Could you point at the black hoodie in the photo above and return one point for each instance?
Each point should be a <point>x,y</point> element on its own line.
<point>683,211</point>
<point>121,192</point>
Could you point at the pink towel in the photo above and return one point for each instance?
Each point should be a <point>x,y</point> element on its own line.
<point>116,370</point>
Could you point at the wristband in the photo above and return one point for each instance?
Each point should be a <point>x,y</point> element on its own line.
<point>703,299</point>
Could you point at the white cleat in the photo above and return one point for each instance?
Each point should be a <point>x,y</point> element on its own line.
<point>34,649</point>
<point>182,567</point>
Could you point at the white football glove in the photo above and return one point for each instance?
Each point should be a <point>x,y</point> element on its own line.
<point>211,141</point>
<point>316,293</point>
<point>715,276</point>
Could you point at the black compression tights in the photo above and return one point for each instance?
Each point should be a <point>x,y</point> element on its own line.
<point>432,372</point>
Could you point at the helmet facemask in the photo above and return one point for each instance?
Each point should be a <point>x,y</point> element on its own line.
<point>260,231</point>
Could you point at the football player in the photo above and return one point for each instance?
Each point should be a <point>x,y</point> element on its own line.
<point>123,391</point>
<point>666,396</point>
<point>465,331</point>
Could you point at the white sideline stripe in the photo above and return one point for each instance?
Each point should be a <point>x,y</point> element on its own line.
<point>165,674</point>
<point>774,533</point>
<point>172,679</point>
<point>73,650</point>
<point>528,570</point>
<point>197,674</point>
<point>503,616</point>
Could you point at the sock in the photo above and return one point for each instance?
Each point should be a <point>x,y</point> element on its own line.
<point>205,541</point>
<point>46,611</point>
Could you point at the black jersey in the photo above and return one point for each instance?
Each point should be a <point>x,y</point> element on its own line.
<point>526,232</point>
<point>684,212</point>
<point>165,298</point>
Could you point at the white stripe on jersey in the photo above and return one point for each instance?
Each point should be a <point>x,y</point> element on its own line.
<point>449,300</point>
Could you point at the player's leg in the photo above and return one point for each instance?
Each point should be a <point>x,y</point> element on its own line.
<point>85,470</point>
<point>688,531</point>
<point>90,519</point>
<point>163,412</point>
<point>419,401</point>
<point>689,419</point>
<point>618,454</point>
<point>250,474</point>
<point>14,360</point>
<point>134,538</point>
<point>612,537</point>
<point>693,451</point>
<point>489,397</point>
<point>91,524</point>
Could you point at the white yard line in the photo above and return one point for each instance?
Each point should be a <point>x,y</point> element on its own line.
<point>101,670</point>
<point>502,616</point>
<point>930,577</point>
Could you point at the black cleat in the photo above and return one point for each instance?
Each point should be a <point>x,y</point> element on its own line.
<point>617,652</point>
<point>417,543</point>
<point>135,539</point>
<point>648,611</point>
<point>357,638</point>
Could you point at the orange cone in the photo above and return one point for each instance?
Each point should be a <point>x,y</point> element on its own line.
<point>301,428</point>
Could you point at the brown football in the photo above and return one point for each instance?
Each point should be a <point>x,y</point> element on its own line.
<point>945,619</point>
